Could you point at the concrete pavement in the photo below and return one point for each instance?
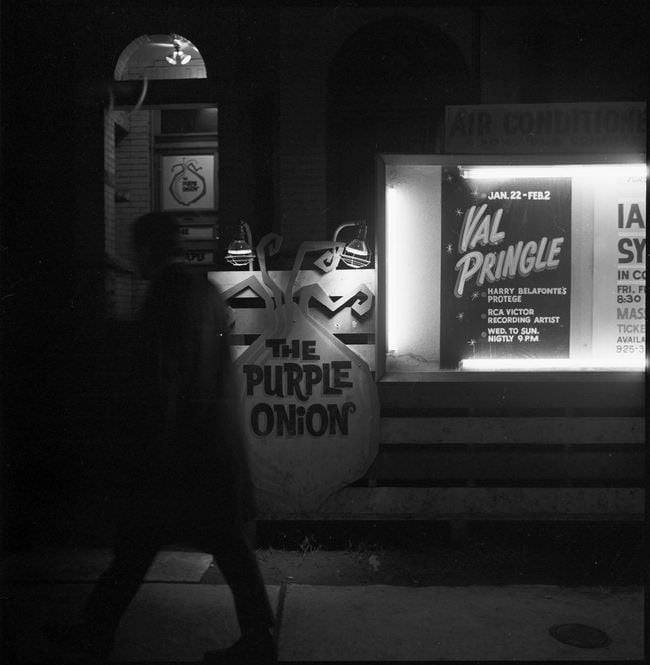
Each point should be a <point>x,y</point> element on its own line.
<point>175,617</point>
<point>455,623</point>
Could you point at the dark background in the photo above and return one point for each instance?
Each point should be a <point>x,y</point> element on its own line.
<point>52,52</point>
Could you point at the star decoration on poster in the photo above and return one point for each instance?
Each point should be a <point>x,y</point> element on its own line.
<point>485,315</point>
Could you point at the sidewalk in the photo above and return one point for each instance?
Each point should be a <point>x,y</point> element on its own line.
<point>176,616</point>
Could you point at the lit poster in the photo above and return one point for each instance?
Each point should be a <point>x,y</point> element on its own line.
<point>506,267</point>
<point>619,269</point>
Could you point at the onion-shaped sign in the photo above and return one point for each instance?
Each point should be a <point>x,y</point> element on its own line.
<point>310,405</point>
<point>187,181</point>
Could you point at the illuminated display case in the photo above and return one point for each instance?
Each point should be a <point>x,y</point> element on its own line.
<point>497,263</point>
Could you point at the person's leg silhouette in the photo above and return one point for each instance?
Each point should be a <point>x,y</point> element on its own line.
<point>237,562</point>
<point>94,637</point>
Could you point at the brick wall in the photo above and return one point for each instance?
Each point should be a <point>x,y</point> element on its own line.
<point>301,149</point>
<point>110,238</point>
<point>302,154</point>
<point>127,195</point>
<point>134,170</point>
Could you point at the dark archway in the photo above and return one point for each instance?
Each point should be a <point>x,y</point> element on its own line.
<point>387,89</point>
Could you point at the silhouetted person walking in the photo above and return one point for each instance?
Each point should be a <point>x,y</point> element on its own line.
<point>190,480</point>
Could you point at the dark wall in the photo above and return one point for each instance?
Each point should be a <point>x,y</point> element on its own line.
<point>388,86</point>
<point>387,90</point>
<point>57,63</point>
<point>584,52</point>
<point>38,208</point>
<point>37,240</point>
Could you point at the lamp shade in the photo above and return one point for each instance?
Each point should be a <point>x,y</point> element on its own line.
<point>239,253</point>
<point>356,254</point>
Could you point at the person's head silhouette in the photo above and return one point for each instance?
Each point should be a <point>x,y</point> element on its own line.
<point>156,241</point>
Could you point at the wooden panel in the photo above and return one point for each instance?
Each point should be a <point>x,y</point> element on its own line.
<point>335,283</point>
<point>595,391</point>
<point>343,322</point>
<point>480,464</point>
<point>236,351</point>
<point>252,320</point>
<point>250,316</point>
<point>365,351</point>
<point>471,503</point>
<point>397,431</point>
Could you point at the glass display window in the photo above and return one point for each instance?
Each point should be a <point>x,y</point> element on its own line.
<point>504,263</point>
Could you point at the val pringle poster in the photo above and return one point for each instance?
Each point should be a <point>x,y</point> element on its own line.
<point>506,268</point>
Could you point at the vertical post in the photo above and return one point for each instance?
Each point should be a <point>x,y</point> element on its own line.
<point>249,240</point>
<point>380,268</point>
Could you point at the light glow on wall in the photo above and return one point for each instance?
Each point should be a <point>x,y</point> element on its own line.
<point>554,171</point>
<point>397,276</point>
<point>551,364</point>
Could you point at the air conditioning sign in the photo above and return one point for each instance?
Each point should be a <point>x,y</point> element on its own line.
<point>551,128</point>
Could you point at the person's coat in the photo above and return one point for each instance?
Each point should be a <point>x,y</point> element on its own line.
<point>190,465</point>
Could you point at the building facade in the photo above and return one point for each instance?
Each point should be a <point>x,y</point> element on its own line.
<point>284,110</point>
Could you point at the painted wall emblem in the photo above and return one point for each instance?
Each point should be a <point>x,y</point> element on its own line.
<point>187,181</point>
<point>187,185</point>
